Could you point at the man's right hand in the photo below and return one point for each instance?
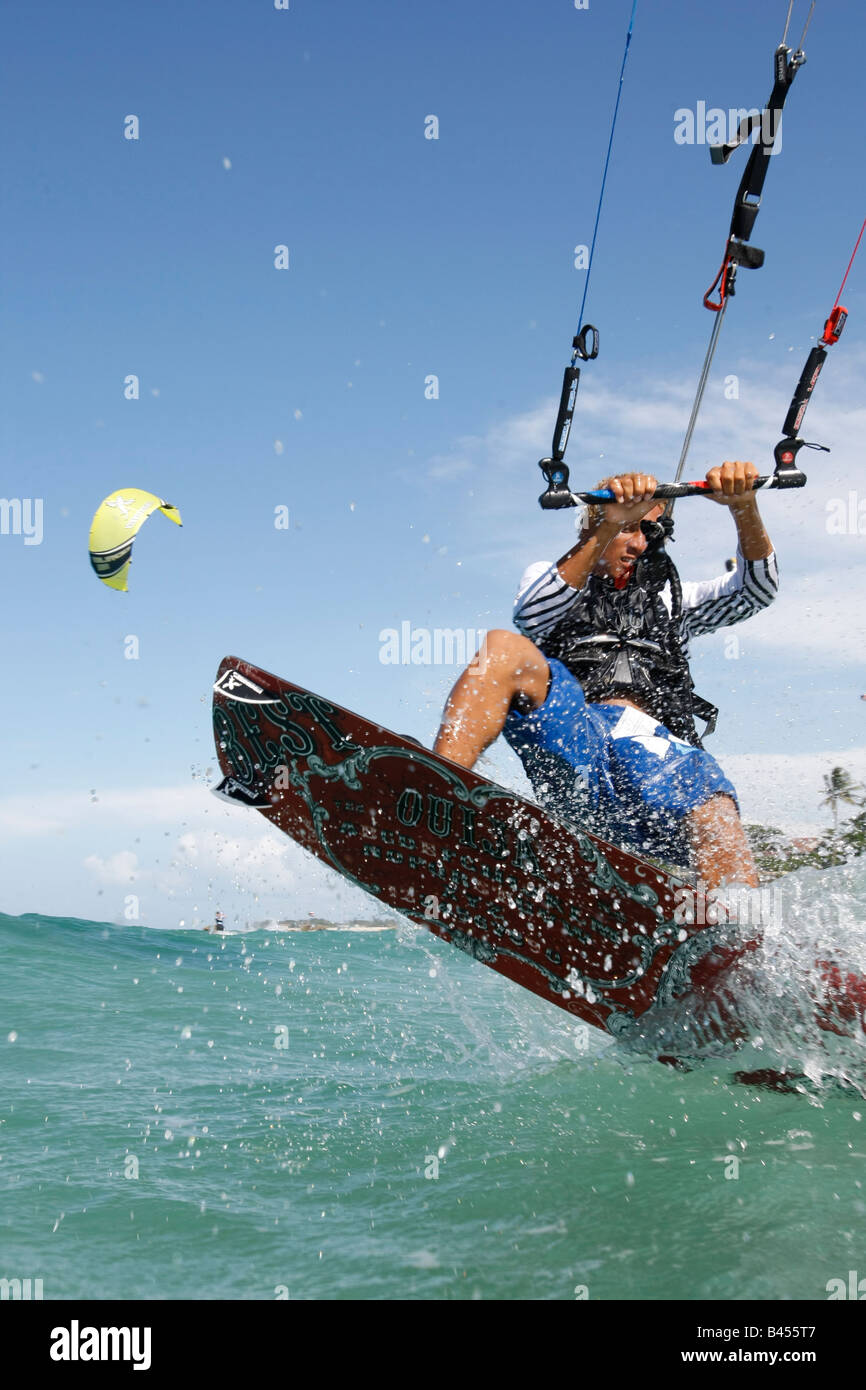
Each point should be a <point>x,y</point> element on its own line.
<point>634,494</point>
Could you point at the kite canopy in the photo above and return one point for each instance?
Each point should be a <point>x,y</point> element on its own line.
<point>117,522</point>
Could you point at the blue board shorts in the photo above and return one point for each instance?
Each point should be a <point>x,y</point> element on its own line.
<point>613,769</point>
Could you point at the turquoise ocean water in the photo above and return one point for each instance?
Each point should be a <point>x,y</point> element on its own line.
<point>350,1114</point>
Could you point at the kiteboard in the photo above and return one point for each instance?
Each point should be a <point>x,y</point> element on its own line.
<point>583,924</point>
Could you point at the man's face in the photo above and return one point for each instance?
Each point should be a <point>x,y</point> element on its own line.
<point>626,548</point>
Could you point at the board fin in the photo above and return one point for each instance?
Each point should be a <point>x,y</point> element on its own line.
<point>230,789</point>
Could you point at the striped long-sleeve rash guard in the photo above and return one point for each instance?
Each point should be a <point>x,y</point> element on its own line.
<point>544,598</point>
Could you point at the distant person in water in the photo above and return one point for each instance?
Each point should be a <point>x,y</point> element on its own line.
<point>219,923</point>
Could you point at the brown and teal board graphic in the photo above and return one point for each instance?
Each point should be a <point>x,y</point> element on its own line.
<point>586,926</point>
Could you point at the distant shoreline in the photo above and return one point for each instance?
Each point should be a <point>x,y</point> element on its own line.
<point>323,924</point>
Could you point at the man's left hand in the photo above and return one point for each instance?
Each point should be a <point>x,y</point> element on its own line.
<point>732,484</point>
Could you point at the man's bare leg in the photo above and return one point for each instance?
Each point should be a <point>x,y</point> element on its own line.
<point>508,665</point>
<point>719,845</point>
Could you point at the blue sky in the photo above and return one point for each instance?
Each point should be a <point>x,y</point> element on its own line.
<point>305,387</point>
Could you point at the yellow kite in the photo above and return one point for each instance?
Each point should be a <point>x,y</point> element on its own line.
<point>115,526</point>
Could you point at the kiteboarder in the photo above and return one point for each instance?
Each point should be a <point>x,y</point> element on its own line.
<point>594,693</point>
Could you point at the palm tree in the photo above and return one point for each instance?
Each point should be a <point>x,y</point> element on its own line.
<point>839,786</point>
<point>854,834</point>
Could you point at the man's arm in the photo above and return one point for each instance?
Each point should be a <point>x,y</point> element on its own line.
<point>753,585</point>
<point>577,564</point>
<point>634,494</point>
<point>754,541</point>
<point>732,488</point>
<point>547,591</point>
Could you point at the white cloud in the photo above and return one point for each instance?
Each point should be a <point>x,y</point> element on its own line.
<point>785,789</point>
<point>121,867</point>
<point>820,615</point>
<point>48,814</point>
<point>187,843</point>
<point>267,857</point>
<point>20,816</point>
<point>640,423</point>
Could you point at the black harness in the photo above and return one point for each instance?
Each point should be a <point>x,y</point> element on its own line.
<point>624,642</point>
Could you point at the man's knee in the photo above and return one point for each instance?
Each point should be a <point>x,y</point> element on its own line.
<point>507,648</point>
<point>715,824</point>
<point>509,657</point>
<point>720,809</point>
